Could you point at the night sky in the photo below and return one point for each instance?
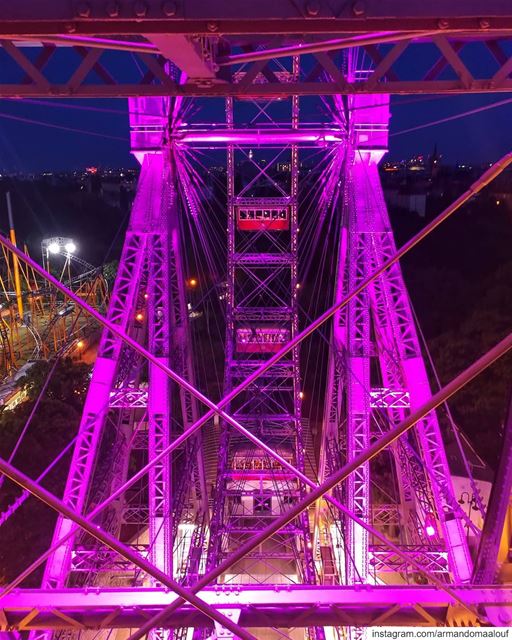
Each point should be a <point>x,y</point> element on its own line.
<point>26,147</point>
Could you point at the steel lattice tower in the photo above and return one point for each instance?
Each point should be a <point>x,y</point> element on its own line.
<point>375,378</point>
<point>135,404</point>
<point>262,315</point>
<point>376,375</point>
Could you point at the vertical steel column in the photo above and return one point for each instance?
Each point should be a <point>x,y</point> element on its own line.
<point>159,394</point>
<point>262,312</point>
<point>218,538</point>
<point>153,121</point>
<point>385,307</point>
<point>190,508</point>
<point>309,565</point>
<point>120,312</point>
<point>417,504</point>
<point>357,362</point>
<point>406,345</point>
<point>490,557</point>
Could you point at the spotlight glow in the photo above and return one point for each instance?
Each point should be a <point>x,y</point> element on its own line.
<point>70,247</point>
<point>53,248</point>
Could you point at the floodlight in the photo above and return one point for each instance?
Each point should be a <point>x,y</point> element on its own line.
<point>54,247</point>
<point>70,247</point>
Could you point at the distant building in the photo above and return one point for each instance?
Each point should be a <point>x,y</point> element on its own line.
<point>409,198</point>
<point>434,163</point>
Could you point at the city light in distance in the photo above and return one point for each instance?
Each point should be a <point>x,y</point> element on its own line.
<point>301,395</point>
<point>192,282</point>
<point>80,344</point>
<point>139,317</point>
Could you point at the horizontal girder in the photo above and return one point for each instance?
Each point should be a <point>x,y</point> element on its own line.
<point>267,91</point>
<point>92,72</point>
<point>239,17</point>
<point>258,137</point>
<point>286,606</point>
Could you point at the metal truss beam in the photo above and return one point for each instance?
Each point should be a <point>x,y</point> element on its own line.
<point>486,564</point>
<point>485,178</point>
<point>435,401</point>
<point>98,395</point>
<point>95,73</point>
<point>259,606</point>
<point>257,137</point>
<point>238,17</point>
<point>336,478</point>
<point>272,279</point>
<point>102,536</point>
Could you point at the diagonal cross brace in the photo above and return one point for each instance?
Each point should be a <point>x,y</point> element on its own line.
<point>48,498</point>
<point>339,476</point>
<point>477,186</point>
<point>485,179</point>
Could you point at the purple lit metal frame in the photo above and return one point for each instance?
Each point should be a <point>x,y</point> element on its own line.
<point>262,305</point>
<point>366,241</point>
<point>148,236</point>
<point>387,439</point>
<point>212,73</point>
<point>370,243</point>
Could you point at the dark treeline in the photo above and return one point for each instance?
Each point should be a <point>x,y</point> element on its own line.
<point>460,283</point>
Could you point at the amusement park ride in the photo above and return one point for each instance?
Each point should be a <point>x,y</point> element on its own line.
<point>273,540</point>
<point>35,321</point>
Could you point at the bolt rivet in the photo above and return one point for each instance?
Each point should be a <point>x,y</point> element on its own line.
<point>140,9</point>
<point>169,9</point>
<point>112,9</point>
<point>313,8</point>
<point>83,10</point>
<point>358,8</point>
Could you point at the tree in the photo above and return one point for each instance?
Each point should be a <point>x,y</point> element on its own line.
<point>68,382</point>
<point>27,533</point>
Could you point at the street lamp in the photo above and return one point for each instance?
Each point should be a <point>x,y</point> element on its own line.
<point>469,499</point>
<point>55,246</point>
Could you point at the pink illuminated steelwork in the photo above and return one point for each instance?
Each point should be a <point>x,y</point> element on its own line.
<point>148,302</point>
<point>121,313</point>
<point>423,477</point>
<point>262,316</point>
<point>337,476</point>
<point>266,525</point>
